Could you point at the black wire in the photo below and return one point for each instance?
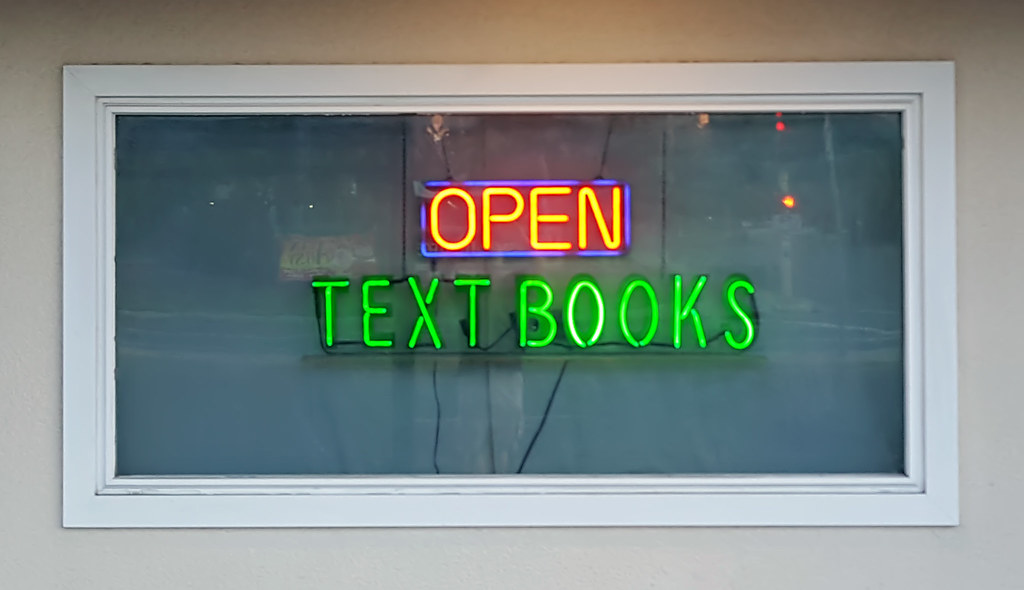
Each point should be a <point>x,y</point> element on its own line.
<point>437,400</point>
<point>544,417</point>
<point>664,190</point>
<point>498,339</point>
<point>444,154</point>
<point>604,151</point>
<point>437,419</point>
<point>405,191</point>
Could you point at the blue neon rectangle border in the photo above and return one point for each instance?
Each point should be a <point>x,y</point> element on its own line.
<point>438,184</point>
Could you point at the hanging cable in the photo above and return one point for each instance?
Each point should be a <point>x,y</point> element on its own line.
<point>604,150</point>
<point>437,419</point>
<point>544,417</point>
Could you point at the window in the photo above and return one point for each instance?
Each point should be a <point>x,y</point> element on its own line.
<point>510,295</point>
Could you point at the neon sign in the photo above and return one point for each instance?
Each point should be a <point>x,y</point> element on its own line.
<point>540,316</point>
<point>530,218</point>
<point>525,218</point>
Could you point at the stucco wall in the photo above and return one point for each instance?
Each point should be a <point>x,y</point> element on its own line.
<point>984,38</point>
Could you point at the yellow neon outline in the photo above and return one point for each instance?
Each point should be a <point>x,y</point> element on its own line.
<point>612,240</point>
<point>536,218</point>
<point>435,230</point>
<point>489,218</point>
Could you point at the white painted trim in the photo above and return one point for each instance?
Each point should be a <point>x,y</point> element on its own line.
<point>513,484</point>
<point>927,495</point>
<point>515,80</point>
<point>81,316</point>
<point>513,510</point>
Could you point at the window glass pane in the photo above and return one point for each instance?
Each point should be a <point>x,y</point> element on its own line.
<point>223,365</point>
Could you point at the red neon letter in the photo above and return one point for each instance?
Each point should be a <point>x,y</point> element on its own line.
<point>536,219</point>
<point>488,218</point>
<point>435,231</point>
<point>612,239</point>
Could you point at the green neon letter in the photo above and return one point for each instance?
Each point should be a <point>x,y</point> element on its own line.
<point>425,318</point>
<point>576,285</point>
<point>538,310</point>
<point>680,311</point>
<point>471,314</point>
<point>370,310</point>
<point>730,299</point>
<point>328,286</point>
<point>627,293</point>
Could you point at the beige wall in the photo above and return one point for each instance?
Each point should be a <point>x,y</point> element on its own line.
<point>985,38</point>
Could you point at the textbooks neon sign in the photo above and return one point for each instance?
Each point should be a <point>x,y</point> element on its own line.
<point>525,218</point>
<point>539,316</point>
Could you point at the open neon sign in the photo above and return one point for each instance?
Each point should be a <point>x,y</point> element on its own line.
<point>525,218</point>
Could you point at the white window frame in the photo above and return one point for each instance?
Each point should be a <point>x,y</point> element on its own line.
<point>926,495</point>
